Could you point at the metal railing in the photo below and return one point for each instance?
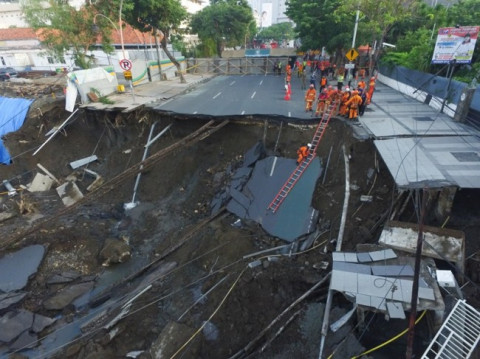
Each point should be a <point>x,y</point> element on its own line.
<point>458,336</point>
<point>235,66</point>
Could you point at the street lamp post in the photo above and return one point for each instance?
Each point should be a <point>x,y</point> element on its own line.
<point>119,29</point>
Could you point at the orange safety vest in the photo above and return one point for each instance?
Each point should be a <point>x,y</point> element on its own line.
<point>310,95</point>
<point>354,101</point>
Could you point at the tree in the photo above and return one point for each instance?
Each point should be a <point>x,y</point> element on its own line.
<point>277,32</point>
<point>62,28</point>
<point>226,22</point>
<point>163,17</point>
<point>318,24</point>
<point>381,15</point>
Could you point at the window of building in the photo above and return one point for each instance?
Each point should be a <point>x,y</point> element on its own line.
<point>3,60</point>
<point>50,60</point>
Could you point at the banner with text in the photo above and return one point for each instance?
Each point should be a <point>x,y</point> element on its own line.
<point>455,44</point>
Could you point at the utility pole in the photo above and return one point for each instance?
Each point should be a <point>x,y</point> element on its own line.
<point>353,42</point>
<point>416,275</point>
<point>123,45</point>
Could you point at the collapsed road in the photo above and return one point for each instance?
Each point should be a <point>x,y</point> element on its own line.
<point>178,275</point>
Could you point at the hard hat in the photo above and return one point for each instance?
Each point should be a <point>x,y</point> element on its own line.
<point>329,86</point>
<point>309,145</point>
<point>311,85</point>
<point>347,88</point>
<point>372,79</point>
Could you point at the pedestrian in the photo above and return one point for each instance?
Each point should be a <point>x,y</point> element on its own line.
<point>363,105</point>
<point>310,98</point>
<point>340,79</point>
<point>313,79</point>
<point>303,78</point>
<point>303,152</point>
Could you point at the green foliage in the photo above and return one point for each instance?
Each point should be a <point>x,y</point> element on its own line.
<point>64,29</point>
<point>148,15</point>
<point>318,24</point>
<point>226,22</point>
<point>102,99</point>
<point>277,32</point>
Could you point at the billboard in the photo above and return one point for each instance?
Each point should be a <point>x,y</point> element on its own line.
<point>455,43</point>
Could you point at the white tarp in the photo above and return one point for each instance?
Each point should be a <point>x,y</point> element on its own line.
<point>86,81</point>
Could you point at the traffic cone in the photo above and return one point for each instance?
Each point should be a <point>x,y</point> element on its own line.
<point>289,88</point>
<point>287,93</point>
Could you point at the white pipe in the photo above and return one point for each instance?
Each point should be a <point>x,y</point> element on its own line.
<point>54,133</point>
<point>338,248</point>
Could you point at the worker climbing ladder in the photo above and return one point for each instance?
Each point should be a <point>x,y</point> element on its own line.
<point>302,166</point>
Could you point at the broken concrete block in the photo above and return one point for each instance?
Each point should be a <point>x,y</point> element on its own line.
<point>69,193</point>
<point>40,183</point>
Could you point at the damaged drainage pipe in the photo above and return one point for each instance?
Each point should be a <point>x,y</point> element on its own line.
<point>132,204</point>
<point>338,248</point>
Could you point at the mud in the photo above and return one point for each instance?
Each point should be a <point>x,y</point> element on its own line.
<point>210,303</point>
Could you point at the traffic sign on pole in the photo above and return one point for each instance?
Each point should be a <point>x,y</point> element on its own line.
<point>351,54</point>
<point>126,64</point>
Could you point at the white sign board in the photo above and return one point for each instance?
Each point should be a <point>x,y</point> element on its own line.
<point>349,66</point>
<point>455,44</point>
<point>126,64</point>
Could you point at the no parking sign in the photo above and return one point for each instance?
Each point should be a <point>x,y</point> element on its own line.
<point>126,64</point>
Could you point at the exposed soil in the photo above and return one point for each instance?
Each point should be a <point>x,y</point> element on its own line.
<point>175,197</point>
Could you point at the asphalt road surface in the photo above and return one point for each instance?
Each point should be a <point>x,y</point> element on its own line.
<point>242,95</point>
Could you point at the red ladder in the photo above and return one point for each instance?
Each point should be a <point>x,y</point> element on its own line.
<point>302,166</point>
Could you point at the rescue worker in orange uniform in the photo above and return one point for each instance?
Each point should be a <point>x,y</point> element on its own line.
<point>310,98</point>
<point>303,152</point>
<point>321,102</point>
<point>343,102</point>
<point>361,85</point>
<point>354,103</point>
<point>323,82</point>
<point>288,74</point>
<point>371,88</point>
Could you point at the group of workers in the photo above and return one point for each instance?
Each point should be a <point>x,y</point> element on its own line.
<point>350,103</point>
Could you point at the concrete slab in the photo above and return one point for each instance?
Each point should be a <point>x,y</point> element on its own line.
<point>40,183</point>
<point>446,243</point>
<point>69,193</point>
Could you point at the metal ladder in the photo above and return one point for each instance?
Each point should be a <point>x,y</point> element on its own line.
<point>302,166</point>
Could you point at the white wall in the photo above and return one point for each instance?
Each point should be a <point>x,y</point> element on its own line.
<point>11,15</point>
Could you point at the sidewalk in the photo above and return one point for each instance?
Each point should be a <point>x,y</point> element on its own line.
<point>148,93</point>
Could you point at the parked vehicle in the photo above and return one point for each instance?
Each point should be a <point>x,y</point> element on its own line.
<point>7,73</point>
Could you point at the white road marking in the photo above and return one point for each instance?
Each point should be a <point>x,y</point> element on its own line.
<point>253,94</point>
<point>218,94</point>
<point>273,166</point>
<point>195,112</point>
<point>243,112</point>
<point>261,82</point>
<point>289,114</point>
<point>231,83</point>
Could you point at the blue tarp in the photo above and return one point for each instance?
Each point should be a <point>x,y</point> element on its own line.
<point>12,115</point>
